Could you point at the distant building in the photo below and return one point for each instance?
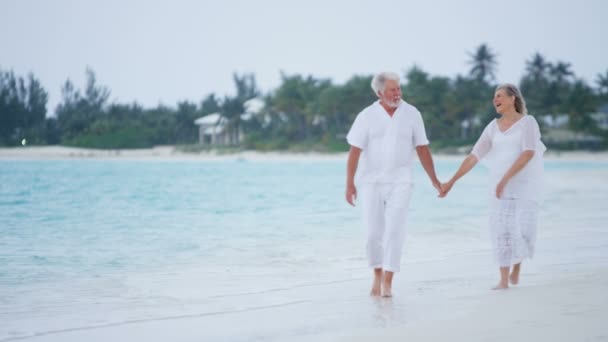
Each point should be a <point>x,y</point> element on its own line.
<point>252,107</point>
<point>555,120</point>
<point>212,129</point>
<point>557,131</point>
<point>215,129</point>
<point>562,121</point>
<point>601,117</point>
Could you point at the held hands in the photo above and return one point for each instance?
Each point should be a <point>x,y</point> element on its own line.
<point>351,194</point>
<point>445,188</point>
<point>437,185</point>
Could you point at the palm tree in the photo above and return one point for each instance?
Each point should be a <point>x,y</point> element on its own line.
<point>560,86</point>
<point>561,71</point>
<point>580,102</point>
<point>535,84</point>
<point>602,82</point>
<point>210,104</point>
<point>537,67</point>
<point>483,63</point>
<point>234,107</point>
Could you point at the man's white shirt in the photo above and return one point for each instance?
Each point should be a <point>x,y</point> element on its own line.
<point>387,143</point>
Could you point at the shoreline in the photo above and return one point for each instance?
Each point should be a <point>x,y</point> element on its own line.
<point>57,152</point>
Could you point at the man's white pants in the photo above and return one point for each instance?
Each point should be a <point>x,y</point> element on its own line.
<point>385,208</point>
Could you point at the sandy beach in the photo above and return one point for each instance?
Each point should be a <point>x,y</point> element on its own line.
<point>561,307</point>
<point>171,153</point>
<point>569,306</point>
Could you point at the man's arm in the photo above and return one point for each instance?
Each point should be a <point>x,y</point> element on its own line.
<point>351,169</point>
<point>424,154</point>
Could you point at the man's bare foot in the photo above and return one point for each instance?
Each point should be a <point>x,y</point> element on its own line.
<point>376,288</point>
<point>503,285</point>
<point>375,292</point>
<point>386,291</point>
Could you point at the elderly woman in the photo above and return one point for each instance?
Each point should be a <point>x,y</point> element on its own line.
<point>511,148</point>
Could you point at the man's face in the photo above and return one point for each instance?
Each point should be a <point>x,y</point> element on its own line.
<point>391,96</point>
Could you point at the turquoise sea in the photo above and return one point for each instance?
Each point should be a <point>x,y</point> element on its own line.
<point>92,244</point>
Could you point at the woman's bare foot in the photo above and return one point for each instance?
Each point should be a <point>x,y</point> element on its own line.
<point>514,277</point>
<point>502,285</point>
<point>504,279</point>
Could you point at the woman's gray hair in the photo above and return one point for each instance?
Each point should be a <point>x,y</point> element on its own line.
<point>512,90</point>
<point>379,81</point>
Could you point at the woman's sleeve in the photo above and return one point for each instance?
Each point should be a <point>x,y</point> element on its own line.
<point>483,144</point>
<point>531,136</point>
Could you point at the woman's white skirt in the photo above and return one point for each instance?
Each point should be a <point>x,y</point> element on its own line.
<point>513,229</point>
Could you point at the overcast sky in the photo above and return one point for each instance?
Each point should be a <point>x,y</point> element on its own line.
<point>156,52</point>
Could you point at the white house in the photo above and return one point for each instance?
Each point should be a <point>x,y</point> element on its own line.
<point>601,117</point>
<point>212,129</point>
<point>555,120</point>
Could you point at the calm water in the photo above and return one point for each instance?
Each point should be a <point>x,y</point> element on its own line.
<point>89,244</point>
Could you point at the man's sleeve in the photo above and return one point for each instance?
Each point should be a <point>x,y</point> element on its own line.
<point>357,136</point>
<point>420,138</point>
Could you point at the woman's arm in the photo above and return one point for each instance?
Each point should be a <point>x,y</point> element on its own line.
<point>467,164</point>
<point>519,164</point>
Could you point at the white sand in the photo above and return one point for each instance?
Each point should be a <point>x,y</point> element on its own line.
<point>566,307</point>
<point>559,307</point>
<point>171,153</point>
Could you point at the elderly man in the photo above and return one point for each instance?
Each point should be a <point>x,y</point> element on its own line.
<point>383,138</point>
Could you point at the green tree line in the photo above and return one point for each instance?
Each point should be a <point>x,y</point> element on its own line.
<point>303,111</point>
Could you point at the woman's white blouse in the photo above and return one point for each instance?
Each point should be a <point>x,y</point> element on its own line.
<point>499,151</point>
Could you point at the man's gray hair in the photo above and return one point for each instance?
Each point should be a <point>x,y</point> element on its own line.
<point>379,81</point>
